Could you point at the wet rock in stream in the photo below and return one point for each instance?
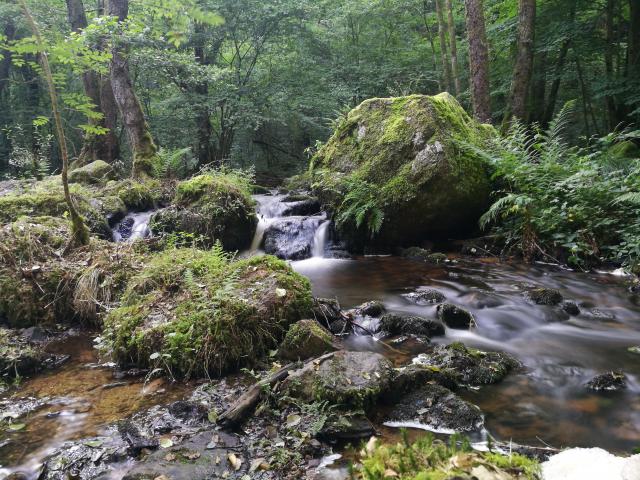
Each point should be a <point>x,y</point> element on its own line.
<point>395,324</point>
<point>470,366</point>
<point>353,378</point>
<point>326,311</point>
<point>20,356</point>
<point>610,381</point>
<point>455,317</point>
<point>291,238</point>
<point>436,407</point>
<point>306,339</point>
<point>373,308</point>
<point>302,207</point>
<point>544,296</point>
<point>571,308</point>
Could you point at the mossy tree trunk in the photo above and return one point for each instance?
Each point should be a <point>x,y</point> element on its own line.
<point>80,233</point>
<point>142,145</point>
<point>95,147</point>
<point>522,70</point>
<point>478,61</point>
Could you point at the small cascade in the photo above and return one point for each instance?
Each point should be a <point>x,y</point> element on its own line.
<point>133,227</point>
<point>287,231</point>
<point>320,239</point>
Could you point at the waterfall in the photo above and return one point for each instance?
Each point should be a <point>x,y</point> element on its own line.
<point>133,227</point>
<point>320,239</point>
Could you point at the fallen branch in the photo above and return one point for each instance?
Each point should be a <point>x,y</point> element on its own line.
<point>249,399</point>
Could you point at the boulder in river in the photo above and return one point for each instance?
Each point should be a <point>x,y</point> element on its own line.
<point>326,310</point>
<point>471,366</point>
<point>20,357</point>
<point>303,207</point>
<point>454,316</point>
<point>609,381</point>
<point>570,308</point>
<point>211,207</point>
<point>198,312</point>
<point>353,379</point>
<point>437,408</point>
<point>373,308</point>
<point>396,324</point>
<point>291,238</point>
<point>402,159</point>
<point>306,339</point>
<point>545,296</point>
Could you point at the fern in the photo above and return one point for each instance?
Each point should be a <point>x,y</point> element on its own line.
<point>361,206</point>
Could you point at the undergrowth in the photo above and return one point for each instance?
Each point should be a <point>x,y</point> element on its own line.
<point>563,203</point>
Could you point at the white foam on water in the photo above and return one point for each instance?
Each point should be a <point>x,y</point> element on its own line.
<point>590,464</point>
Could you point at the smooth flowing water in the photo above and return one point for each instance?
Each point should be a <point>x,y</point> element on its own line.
<point>547,402</point>
<point>134,226</point>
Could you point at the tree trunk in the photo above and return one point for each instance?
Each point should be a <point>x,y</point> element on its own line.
<point>454,47</point>
<point>94,146</point>
<point>442,32</point>
<point>431,43</point>
<point>523,67</point>
<point>478,61</point>
<point>610,103</point>
<point>5,62</point>
<point>538,88</point>
<point>204,149</point>
<point>634,38</point>
<point>143,148</point>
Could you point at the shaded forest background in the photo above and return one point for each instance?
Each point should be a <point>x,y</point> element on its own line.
<point>262,88</point>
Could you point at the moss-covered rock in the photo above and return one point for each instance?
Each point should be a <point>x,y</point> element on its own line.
<point>306,339</point>
<point>407,153</point>
<point>348,379</point>
<point>94,172</point>
<point>198,312</point>
<point>212,207</point>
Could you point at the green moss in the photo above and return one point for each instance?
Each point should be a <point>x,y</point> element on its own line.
<point>95,172</point>
<point>430,459</point>
<point>305,339</point>
<point>138,196</point>
<point>212,207</point>
<point>199,312</point>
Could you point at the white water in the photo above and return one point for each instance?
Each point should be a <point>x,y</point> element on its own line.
<point>139,229</point>
<point>270,210</point>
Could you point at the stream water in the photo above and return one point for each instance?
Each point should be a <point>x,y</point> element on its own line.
<point>545,403</point>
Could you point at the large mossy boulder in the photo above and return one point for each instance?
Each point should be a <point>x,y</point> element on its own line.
<point>211,207</point>
<point>94,172</point>
<point>404,167</point>
<point>197,312</point>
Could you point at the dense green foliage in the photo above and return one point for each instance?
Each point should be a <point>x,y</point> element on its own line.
<point>579,205</point>
<point>259,88</point>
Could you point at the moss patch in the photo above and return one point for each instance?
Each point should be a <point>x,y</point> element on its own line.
<point>430,459</point>
<point>306,339</point>
<point>214,207</point>
<point>197,312</point>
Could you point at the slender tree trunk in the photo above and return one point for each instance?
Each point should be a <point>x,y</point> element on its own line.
<point>454,47</point>
<point>142,145</point>
<point>204,149</point>
<point>431,43</point>
<point>478,61</point>
<point>80,234</point>
<point>608,62</point>
<point>444,51</point>
<point>5,62</point>
<point>103,147</point>
<point>522,71</point>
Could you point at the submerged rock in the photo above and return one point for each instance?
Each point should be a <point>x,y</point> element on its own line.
<point>427,296</point>
<point>354,379</point>
<point>437,408</point>
<point>395,324</point>
<point>470,366</point>
<point>609,381</point>
<point>545,296</point>
<point>306,339</point>
<point>404,151</point>
<point>455,317</point>
<point>291,238</point>
<point>570,308</point>
<point>211,208</point>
